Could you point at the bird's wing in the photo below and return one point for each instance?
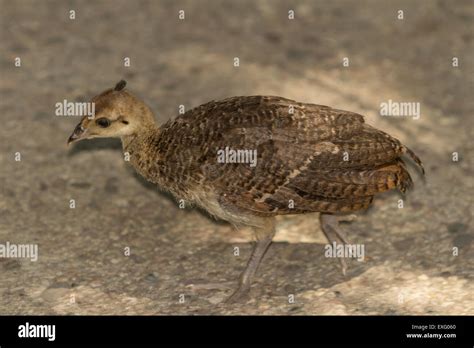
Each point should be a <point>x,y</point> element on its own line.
<point>308,157</point>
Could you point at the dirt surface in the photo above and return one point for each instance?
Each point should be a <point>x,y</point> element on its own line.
<point>419,259</point>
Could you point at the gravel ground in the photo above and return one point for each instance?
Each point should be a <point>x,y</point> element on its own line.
<point>419,259</point>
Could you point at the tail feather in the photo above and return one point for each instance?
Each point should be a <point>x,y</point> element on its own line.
<point>404,180</point>
<point>415,158</point>
<point>395,176</point>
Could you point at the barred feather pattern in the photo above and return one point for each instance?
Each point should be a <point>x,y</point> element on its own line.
<point>310,158</point>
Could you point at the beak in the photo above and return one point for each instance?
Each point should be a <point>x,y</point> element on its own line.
<point>77,134</point>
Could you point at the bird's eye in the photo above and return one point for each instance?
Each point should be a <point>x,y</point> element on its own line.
<point>102,122</point>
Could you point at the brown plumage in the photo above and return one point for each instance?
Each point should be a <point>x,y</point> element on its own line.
<point>309,158</point>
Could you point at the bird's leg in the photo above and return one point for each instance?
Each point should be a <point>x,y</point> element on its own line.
<point>264,236</point>
<point>335,233</point>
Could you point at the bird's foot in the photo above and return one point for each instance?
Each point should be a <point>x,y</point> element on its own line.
<point>335,233</point>
<point>239,295</point>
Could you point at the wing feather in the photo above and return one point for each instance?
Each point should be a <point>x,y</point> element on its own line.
<point>310,156</point>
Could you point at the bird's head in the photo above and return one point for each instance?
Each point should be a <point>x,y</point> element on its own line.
<point>118,114</point>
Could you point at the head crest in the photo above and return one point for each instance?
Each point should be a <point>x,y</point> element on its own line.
<point>121,85</point>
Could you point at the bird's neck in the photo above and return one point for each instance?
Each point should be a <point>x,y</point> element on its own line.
<point>140,140</point>
<point>140,149</point>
